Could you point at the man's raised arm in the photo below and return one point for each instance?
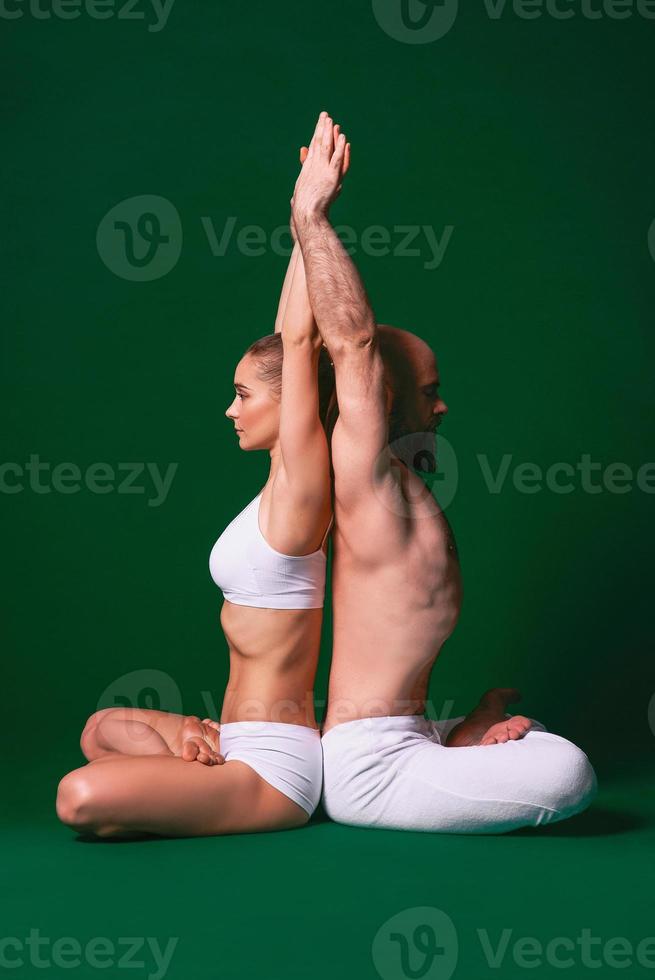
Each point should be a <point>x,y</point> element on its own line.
<point>344,318</point>
<point>341,307</point>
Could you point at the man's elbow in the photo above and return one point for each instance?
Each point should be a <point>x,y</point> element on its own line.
<point>360,335</point>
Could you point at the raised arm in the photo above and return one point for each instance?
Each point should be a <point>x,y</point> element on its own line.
<point>344,317</point>
<point>294,308</point>
<point>302,483</point>
<point>303,444</point>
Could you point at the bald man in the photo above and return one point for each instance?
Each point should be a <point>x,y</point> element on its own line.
<point>396,582</point>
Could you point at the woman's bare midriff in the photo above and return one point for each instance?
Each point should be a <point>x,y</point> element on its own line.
<point>273,660</point>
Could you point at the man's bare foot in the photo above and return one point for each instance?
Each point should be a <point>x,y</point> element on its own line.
<point>510,729</point>
<point>200,741</point>
<point>489,715</point>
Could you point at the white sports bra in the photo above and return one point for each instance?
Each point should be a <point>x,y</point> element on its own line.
<point>251,573</point>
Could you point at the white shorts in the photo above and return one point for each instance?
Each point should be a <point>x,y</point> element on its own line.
<point>394,772</point>
<point>287,756</point>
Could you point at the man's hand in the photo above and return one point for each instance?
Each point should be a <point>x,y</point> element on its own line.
<point>304,150</point>
<point>325,163</point>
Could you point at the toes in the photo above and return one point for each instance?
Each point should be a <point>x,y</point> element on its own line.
<point>195,749</point>
<point>519,725</point>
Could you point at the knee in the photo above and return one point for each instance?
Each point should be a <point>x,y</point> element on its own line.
<point>75,800</point>
<point>574,785</point>
<point>89,736</point>
<point>97,716</point>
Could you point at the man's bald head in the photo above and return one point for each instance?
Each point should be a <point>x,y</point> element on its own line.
<point>413,378</point>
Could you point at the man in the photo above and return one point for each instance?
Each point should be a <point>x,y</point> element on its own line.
<point>396,582</point>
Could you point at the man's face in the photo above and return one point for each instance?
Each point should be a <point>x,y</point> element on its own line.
<point>424,406</point>
<point>413,374</point>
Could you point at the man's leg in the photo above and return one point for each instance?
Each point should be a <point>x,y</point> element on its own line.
<point>390,773</point>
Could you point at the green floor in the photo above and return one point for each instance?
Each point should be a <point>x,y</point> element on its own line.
<point>310,903</point>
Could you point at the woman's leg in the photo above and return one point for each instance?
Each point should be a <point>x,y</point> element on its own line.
<point>163,795</point>
<point>140,731</point>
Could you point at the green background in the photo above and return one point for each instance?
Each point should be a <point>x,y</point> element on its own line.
<point>534,139</point>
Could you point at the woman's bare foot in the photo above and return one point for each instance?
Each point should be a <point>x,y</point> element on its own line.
<point>488,715</point>
<point>200,741</point>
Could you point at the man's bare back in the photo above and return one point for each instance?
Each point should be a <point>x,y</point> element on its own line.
<point>397,594</point>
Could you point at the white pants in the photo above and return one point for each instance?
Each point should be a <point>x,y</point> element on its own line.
<point>394,772</point>
<point>286,756</point>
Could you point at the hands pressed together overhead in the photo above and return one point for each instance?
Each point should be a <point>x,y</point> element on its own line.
<point>324,165</point>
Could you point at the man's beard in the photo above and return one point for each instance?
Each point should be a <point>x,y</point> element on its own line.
<point>416,448</point>
<point>400,426</point>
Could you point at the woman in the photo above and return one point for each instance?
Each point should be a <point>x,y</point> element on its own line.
<point>154,772</point>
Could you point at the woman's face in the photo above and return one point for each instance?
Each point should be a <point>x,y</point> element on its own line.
<point>255,411</point>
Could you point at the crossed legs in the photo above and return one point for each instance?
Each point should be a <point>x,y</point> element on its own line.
<point>153,790</point>
<point>138,731</point>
